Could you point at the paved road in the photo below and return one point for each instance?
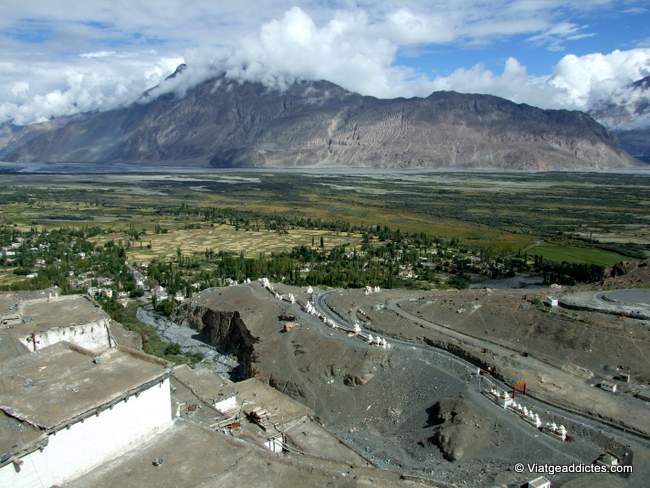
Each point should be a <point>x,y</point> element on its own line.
<point>633,303</point>
<point>583,425</point>
<point>469,373</point>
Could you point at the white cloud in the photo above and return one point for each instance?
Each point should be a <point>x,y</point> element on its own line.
<point>577,82</point>
<point>98,54</point>
<point>20,89</point>
<point>513,82</point>
<point>404,27</point>
<point>45,89</point>
<point>645,42</point>
<point>555,37</point>
<point>345,51</point>
<point>355,44</point>
<point>590,79</point>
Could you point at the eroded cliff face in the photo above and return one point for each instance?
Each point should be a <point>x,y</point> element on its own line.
<point>301,363</point>
<point>223,329</point>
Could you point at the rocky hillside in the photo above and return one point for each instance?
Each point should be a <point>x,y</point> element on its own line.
<point>628,274</point>
<point>223,329</point>
<point>224,123</point>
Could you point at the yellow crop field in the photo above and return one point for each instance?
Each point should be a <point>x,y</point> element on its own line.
<point>227,238</point>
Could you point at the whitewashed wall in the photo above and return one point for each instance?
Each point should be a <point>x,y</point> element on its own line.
<point>227,405</point>
<point>100,438</point>
<point>93,336</point>
<point>275,444</point>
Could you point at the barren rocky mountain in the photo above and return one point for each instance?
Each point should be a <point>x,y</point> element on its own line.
<point>628,116</point>
<point>225,123</point>
<point>636,142</point>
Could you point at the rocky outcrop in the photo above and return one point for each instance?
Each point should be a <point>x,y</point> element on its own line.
<point>357,379</point>
<point>459,427</point>
<point>229,124</point>
<point>628,274</point>
<point>288,387</point>
<point>223,329</point>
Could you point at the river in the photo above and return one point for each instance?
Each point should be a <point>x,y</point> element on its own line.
<point>188,340</point>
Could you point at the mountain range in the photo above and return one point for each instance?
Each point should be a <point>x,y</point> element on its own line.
<point>227,123</point>
<point>627,115</point>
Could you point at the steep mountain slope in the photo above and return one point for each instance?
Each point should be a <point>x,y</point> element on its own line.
<point>226,123</point>
<point>628,116</point>
<point>636,142</point>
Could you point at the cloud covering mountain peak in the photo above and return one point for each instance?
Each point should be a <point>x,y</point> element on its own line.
<point>362,49</point>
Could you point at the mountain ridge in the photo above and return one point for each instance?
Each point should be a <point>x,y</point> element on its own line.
<point>225,123</point>
<point>627,115</point>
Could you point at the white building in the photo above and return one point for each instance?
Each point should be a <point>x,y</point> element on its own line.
<point>609,386</point>
<point>275,444</point>
<point>71,318</point>
<point>250,401</point>
<point>540,482</point>
<point>66,411</point>
<point>552,301</point>
<point>502,398</point>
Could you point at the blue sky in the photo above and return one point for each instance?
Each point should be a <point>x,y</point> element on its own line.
<point>612,28</point>
<point>57,58</point>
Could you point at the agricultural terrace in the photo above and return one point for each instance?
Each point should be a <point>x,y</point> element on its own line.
<point>227,238</point>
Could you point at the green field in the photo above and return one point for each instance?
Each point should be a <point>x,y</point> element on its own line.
<point>570,212</point>
<point>573,254</point>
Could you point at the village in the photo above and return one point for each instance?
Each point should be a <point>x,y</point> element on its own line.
<point>80,302</point>
<point>79,260</point>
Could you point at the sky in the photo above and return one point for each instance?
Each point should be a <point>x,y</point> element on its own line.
<point>64,57</point>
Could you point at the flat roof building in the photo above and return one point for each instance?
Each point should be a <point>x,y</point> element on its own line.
<point>41,321</point>
<point>609,386</point>
<point>65,410</point>
<point>248,395</point>
<point>271,411</point>
<point>540,482</point>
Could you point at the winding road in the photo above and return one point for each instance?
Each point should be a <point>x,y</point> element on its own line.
<point>579,424</point>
